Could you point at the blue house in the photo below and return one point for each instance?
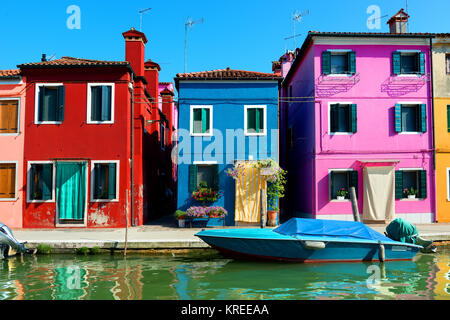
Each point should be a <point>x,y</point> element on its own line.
<point>225,116</point>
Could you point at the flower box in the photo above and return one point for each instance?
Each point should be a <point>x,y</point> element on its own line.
<point>411,196</point>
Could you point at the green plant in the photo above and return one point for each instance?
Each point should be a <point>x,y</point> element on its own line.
<point>44,248</point>
<point>275,182</point>
<point>205,194</point>
<point>410,192</point>
<point>179,214</point>
<point>94,250</point>
<point>342,192</point>
<point>82,250</point>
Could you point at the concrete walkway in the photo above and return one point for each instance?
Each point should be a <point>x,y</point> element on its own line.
<point>156,237</point>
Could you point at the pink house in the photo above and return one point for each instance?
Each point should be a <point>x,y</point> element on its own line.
<point>357,111</point>
<point>12,111</point>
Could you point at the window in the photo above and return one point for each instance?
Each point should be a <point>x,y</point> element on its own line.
<point>343,179</point>
<point>50,100</point>
<point>447,62</point>
<point>343,118</point>
<point>8,181</point>
<point>9,116</point>
<point>448,184</point>
<point>410,178</point>
<point>410,118</point>
<point>254,119</point>
<point>100,103</point>
<point>338,62</point>
<point>448,118</point>
<point>40,182</point>
<point>163,136</point>
<point>104,180</point>
<point>203,173</point>
<point>201,120</point>
<point>405,63</point>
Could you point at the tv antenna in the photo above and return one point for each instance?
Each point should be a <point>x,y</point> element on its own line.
<point>141,12</point>
<point>189,23</point>
<point>297,17</point>
<point>287,38</point>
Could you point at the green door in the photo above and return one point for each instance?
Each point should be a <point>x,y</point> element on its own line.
<point>71,190</point>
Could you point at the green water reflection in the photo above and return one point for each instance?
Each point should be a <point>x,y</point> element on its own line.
<point>64,277</point>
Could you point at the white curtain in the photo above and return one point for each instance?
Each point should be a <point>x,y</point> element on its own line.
<point>379,193</point>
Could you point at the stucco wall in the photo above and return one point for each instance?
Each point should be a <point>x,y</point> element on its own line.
<point>440,77</point>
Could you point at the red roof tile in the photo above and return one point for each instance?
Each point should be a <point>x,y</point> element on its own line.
<point>224,74</point>
<point>167,92</point>
<point>151,64</point>
<point>69,61</point>
<point>9,73</point>
<point>373,34</point>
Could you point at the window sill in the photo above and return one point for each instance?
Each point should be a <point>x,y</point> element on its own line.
<point>49,122</point>
<point>339,75</point>
<point>201,135</point>
<point>411,132</point>
<point>104,200</point>
<point>341,133</point>
<point>254,134</point>
<point>8,199</point>
<point>70,225</point>
<point>41,201</point>
<point>99,122</point>
<point>11,134</point>
<point>411,75</point>
<point>336,200</point>
<point>416,199</point>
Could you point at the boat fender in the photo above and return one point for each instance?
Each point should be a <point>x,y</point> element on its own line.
<point>381,252</point>
<point>313,245</point>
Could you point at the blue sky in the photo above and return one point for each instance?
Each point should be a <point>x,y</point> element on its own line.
<point>240,34</point>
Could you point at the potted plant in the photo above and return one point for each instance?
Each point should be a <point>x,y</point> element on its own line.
<point>341,194</point>
<point>205,194</point>
<point>181,217</point>
<point>216,212</point>
<point>411,193</point>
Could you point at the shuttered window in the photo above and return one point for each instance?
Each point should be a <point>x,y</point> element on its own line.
<point>201,120</point>
<point>40,180</point>
<point>338,62</point>
<point>343,118</point>
<point>104,181</point>
<point>101,103</point>
<point>407,179</point>
<point>447,62</point>
<point>410,118</point>
<point>255,120</point>
<point>51,100</point>
<point>408,62</point>
<point>343,180</point>
<point>207,174</point>
<point>7,180</point>
<point>9,114</point>
<point>448,118</point>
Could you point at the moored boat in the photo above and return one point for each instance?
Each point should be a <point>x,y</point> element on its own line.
<point>309,240</point>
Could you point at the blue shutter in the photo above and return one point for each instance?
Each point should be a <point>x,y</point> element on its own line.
<point>352,62</point>
<point>353,118</point>
<point>398,184</point>
<point>326,62</point>
<point>421,62</point>
<point>423,118</point>
<point>398,118</point>
<point>47,177</point>
<point>106,103</point>
<point>60,103</point>
<point>112,180</point>
<point>396,57</point>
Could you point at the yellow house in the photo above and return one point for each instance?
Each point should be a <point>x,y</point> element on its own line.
<point>441,92</point>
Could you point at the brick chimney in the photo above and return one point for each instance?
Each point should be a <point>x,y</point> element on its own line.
<point>398,23</point>
<point>135,50</point>
<point>151,72</point>
<point>276,67</point>
<point>286,61</point>
<point>167,109</point>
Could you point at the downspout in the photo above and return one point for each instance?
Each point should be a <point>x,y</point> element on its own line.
<point>434,142</point>
<point>132,149</point>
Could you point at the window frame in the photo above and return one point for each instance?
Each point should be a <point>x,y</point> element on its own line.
<point>16,183</point>
<point>92,178</point>
<point>260,106</point>
<point>330,193</point>
<point>402,52</point>
<point>18,116</point>
<point>331,133</point>
<point>89,102</point>
<point>191,121</point>
<point>36,101</point>
<point>448,184</point>
<point>416,170</point>
<point>204,163</point>
<point>53,199</point>
<point>343,52</point>
<point>418,106</point>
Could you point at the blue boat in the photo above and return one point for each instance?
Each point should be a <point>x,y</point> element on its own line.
<point>309,240</point>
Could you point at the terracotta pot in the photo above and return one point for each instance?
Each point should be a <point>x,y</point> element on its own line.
<point>272,218</point>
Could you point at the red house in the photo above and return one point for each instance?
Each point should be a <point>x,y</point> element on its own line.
<point>88,143</point>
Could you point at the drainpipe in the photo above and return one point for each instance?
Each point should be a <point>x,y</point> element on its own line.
<point>434,142</point>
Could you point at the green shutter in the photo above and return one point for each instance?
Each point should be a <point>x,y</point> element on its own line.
<point>423,184</point>
<point>326,62</point>
<point>205,120</point>
<point>421,62</point>
<point>251,119</point>
<point>60,104</point>
<point>351,56</point>
<point>398,118</point>
<point>398,184</point>
<point>112,180</point>
<point>215,177</point>
<point>353,118</point>
<point>423,118</point>
<point>396,56</point>
<point>46,176</point>
<point>32,187</point>
<point>334,117</point>
<point>354,182</point>
<point>448,118</point>
<point>331,177</point>
<point>197,117</point>
<point>41,103</point>
<point>192,178</point>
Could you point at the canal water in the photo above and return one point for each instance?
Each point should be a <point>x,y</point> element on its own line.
<point>64,277</point>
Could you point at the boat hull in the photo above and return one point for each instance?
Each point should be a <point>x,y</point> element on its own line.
<point>294,250</point>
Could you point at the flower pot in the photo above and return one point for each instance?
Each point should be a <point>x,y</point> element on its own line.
<point>272,218</point>
<point>340,197</point>
<point>181,223</point>
<point>411,196</point>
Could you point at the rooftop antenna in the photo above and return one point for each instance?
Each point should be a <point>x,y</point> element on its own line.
<point>51,57</point>
<point>141,12</point>
<point>189,23</point>
<point>287,38</point>
<point>297,17</point>
<point>407,22</point>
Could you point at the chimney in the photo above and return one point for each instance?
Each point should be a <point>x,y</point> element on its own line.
<point>44,57</point>
<point>167,109</point>
<point>151,72</point>
<point>276,67</point>
<point>398,23</point>
<point>286,61</point>
<point>135,50</point>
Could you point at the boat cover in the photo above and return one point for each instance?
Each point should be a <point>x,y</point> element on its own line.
<point>402,230</point>
<point>297,227</point>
